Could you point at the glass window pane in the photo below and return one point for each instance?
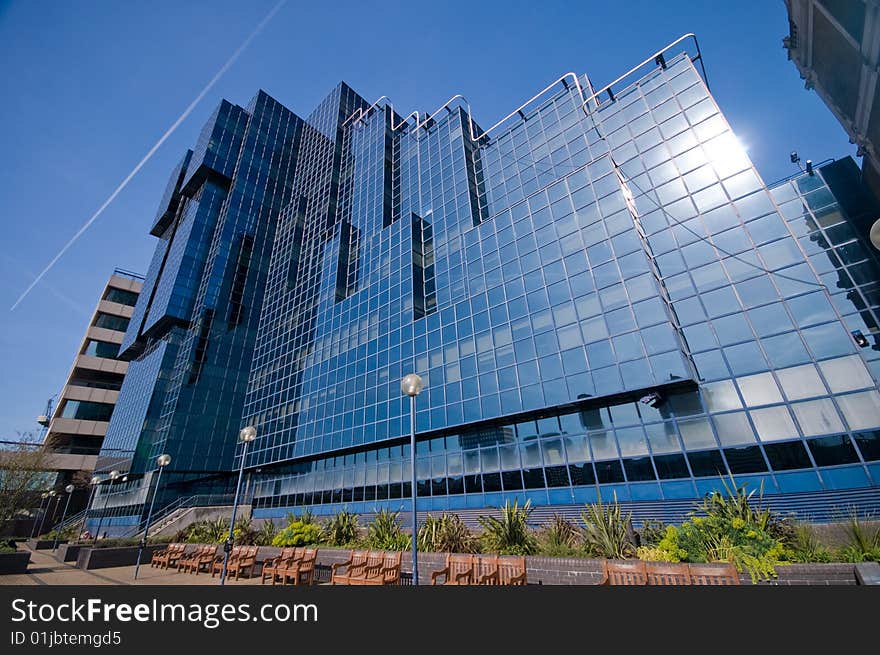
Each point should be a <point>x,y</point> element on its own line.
<point>697,434</point>
<point>773,424</point>
<point>603,445</point>
<point>800,382</point>
<point>632,442</point>
<point>663,438</point>
<point>830,451</point>
<point>733,429</point>
<point>861,410</point>
<point>720,396</point>
<point>759,390</point>
<point>785,456</point>
<point>817,417</point>
<point>576,449</point>
<point>846,374</point>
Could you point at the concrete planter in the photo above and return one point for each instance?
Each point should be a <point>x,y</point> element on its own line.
<point>14,562</point>
<point>69,552</point>
<point>102,558</point>
<point>43,544</point>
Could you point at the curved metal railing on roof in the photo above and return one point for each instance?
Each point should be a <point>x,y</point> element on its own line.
<point>656,58</point>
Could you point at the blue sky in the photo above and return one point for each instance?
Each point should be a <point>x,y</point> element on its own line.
<point>88,87</point>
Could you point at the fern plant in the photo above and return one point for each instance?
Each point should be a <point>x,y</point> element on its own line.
<point>509,534</point>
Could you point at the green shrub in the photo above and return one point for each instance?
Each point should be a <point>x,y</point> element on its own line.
<point>732,530</point>
<point>863,540</point>
<point>806,547</point>
<point>244,533</point>
<point>341,529</point>
<point>385,532</point>
<point>560,538</point>
<point>652,532</point>
<point>209,531</point>
<point>446,534</point>
<point>298,534</point>
<point>266,533</point>
<point>510,534</point>
<point>305,517</point>
<point>607,530</point>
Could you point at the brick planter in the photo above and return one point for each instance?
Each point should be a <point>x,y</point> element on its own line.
<point>14,562</point>
<point>579,571</point>
<point>102,558</point>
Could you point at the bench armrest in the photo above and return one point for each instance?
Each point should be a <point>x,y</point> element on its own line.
<point>437,574</point>
<point>484,579</point>
<point>464,575</point>
<point>338,565</point>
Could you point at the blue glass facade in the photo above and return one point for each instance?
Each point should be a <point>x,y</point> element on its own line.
<point>546,279</point>
<point>600,292</point>
<point>193,330</point>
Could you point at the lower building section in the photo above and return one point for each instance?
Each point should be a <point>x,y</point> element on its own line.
<point>631,451</point>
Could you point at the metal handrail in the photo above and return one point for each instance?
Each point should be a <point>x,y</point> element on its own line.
<point>360,113</point>
<point>540,93</point>
<point>653,59</point>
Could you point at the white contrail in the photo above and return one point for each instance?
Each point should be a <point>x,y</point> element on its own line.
<point>152,151</point>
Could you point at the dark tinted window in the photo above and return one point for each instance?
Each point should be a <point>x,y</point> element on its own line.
<point>828,451</point>
<point>789,455</point>
<point>707,462</point>
<point>745,460</point>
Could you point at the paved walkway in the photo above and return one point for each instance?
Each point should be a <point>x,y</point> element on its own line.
<point>44,569</point>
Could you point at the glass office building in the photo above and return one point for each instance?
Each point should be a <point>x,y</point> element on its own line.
<point>191,336</point>
<point>602,296</point>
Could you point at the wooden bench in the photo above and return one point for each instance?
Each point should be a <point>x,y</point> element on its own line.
<point>186,558</point>
<point>464,569</point>
<point>385,572</point>
<point>624,573</point>
<point>245,561</point>
<point>202,560</point>
<point>284,559</point>
<point>722,573</point>
<point>300,571</point>
<point>500,570</point>
<point>168,556</point>
<point>217,564</point>
<point>351,569</point>
<point>637,572</point>
<point>459,570</point>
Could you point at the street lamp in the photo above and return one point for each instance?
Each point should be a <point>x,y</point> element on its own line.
<point>113,476</point>
<point>69,489</point>
<point>94,482</point>
<point>161,461</point>
<point>51,493</point>
<point>412,386</point>
<point>246,435</point>
<point>43,497</point>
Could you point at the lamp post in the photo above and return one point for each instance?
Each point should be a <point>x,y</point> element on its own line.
<point>246,435</point>
<point>161,461</point>
<point>113,476</point>
<point>43,497</point>
<point>412,386</point>
<point>69,489</point>
<point>94,482</point>
<point>52,494</point>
